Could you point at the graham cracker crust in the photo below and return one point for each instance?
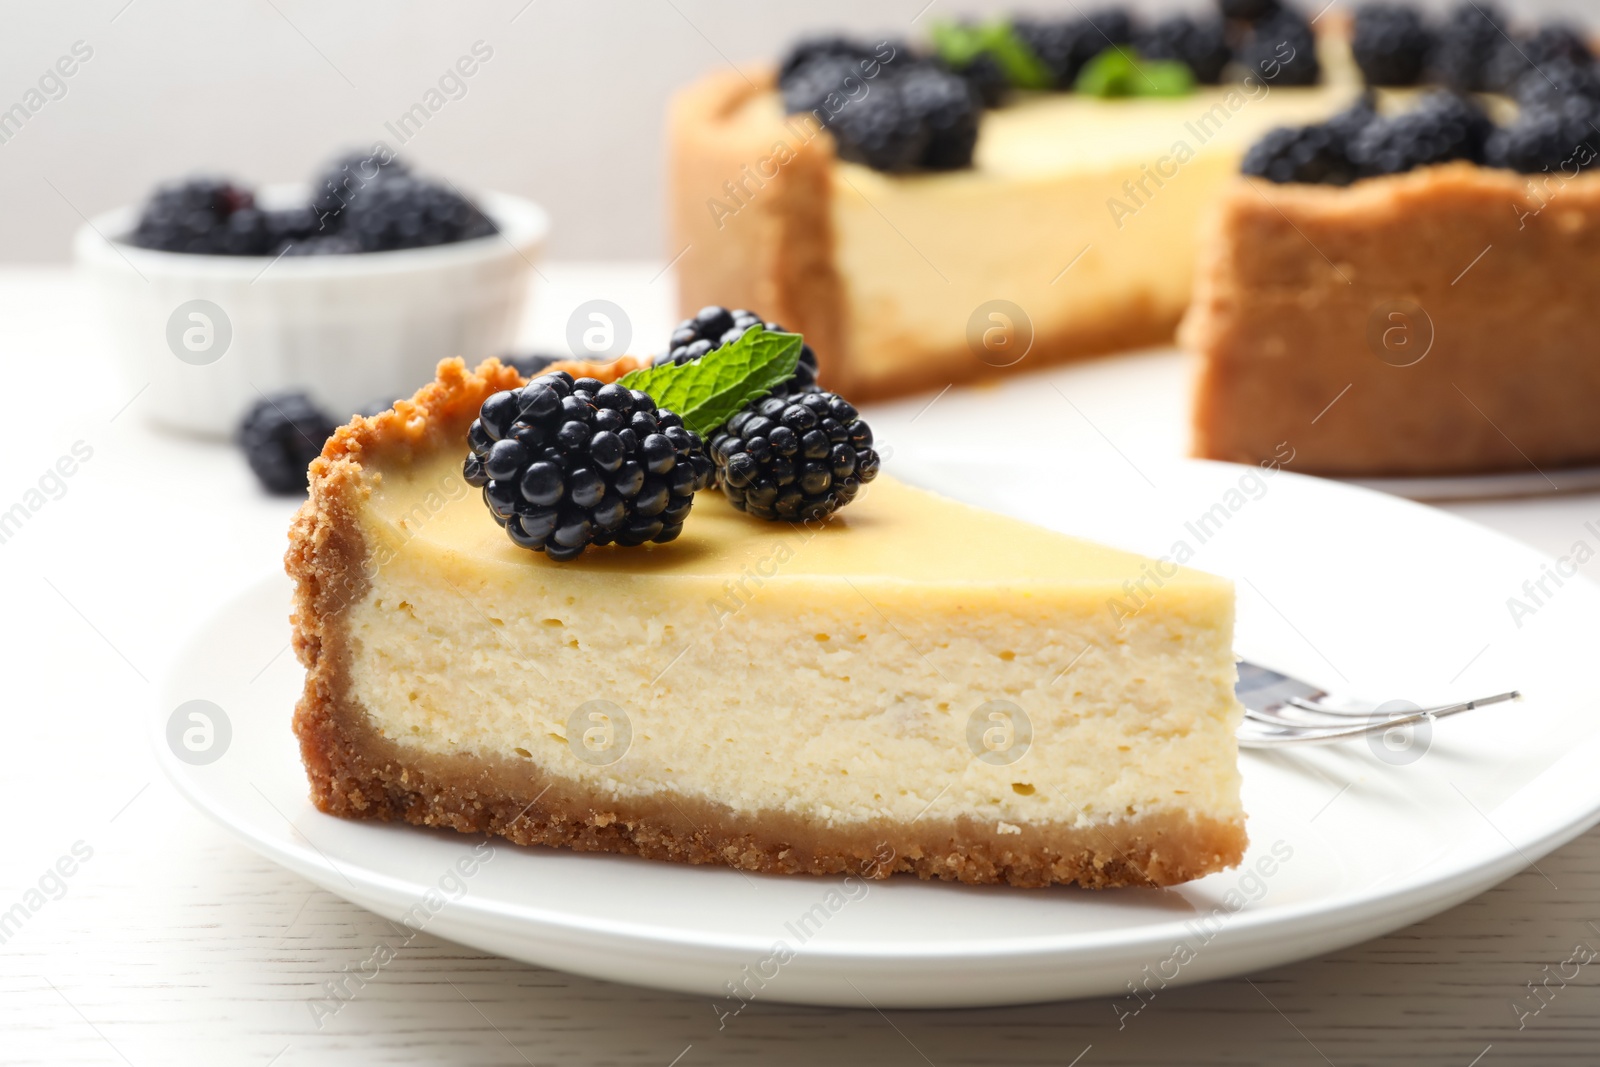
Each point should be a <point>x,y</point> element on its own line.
<point>1294,329</point>
<point>355,772</point>
<point>775,253</point>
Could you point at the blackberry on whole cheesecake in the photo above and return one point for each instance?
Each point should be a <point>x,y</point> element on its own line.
<point>190,216</point>
<point>1064,45</point>
<point>1281,49</point>
<point>565,464</point>
<point>1248,10</point>
<point>1465,45</point>
<point>794,458</point>
<point>834,46</point>
<point>947,107</point>
<point>1318,154</point>
<point>1553,83</point>
<point>408,212</point>
<point>988,79</point>
<point>281,434</point>
<point>1390,44</point>
<point>1552,43</point>
<point>881,129</point>
<point>1199,42</point>
<point>1442,127</point>
<point>1550,138</point>
<point>714,326</point>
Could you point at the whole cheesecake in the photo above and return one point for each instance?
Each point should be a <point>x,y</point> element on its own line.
<point>1437,321</point>
<point>1073,232</point>
<point>911,685</point>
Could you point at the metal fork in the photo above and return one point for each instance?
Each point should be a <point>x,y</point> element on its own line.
<point>1280,711</point>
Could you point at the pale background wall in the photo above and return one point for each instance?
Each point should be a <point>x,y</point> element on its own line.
<point>567,111</point>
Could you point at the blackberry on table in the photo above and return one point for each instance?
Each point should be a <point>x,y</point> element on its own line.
<point>794,458</point>
<point>1282,49</point>
<point>281,434</point>
<point>343,180</point>
<point>713,326</point>
<point>1318,154</point>
<point>410,212</point>
<point>1199,42</point>
<point>1465,45</point>
<point>189,216</point>
<point>565,464</point>
<point>1442,127</point>
<point>1547,139</point>
<point>1390,44</point>
<point>1064,45</point>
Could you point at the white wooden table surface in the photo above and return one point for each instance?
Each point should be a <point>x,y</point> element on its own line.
<point>173,944</point>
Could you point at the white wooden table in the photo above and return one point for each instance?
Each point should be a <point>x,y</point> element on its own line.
<point>173,944</point>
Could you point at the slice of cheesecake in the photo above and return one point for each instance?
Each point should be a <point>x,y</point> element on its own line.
<point>912,685</point>
<point>1433,322</point>
<point>1073,233</point>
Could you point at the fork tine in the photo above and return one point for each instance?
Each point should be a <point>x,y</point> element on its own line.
<point>1287,732</point>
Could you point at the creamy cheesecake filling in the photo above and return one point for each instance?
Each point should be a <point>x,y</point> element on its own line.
<point>1080,211</point>
<point>896,622</point>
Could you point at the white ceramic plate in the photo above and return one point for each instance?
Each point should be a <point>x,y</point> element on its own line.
<point>1136,408</point>
<point>1338,585</point>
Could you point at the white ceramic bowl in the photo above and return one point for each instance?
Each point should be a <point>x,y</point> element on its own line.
<point>207,336</point>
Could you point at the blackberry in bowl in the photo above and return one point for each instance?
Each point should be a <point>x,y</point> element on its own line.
<point>565,464</point>
<point>215,292</point>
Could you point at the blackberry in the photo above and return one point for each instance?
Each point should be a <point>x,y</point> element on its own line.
<point>412,213</point>
<point>1318,154</point>
<point>1248,10</point>
<point>1465,45</point>
<point>881,130</point>
<point>853,51</point>
<point>1551,138</point>
<point>946,106</point>
<point>327,244</point>
<point>246,232</point>
<point>1198,42</point>
<point>713,326</point>
<point>988,79</point>
<point>1442,127</point>
<point>281,434</point>
<point>343,180</point>
<point>1553,83</point>
<point>809,86</point>
<point>1390,44</point>
<point>1282,49</point>
<point>794,458</point>
<point>566,464</point>
<point>189,216</point>
<point>531,363</point>
<point>1554,42</point>
<point>1065,45</point>
<point>290,226</point>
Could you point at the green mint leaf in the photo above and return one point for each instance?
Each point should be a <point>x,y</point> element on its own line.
<point>709,391</point>
<point>1022,67</point>
<point>1118,72</point>
<point>957,44</point>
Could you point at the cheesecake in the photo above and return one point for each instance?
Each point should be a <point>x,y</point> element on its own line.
<point>910,685</point>
<point>1437,321</point>
<point>1072,233</point>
